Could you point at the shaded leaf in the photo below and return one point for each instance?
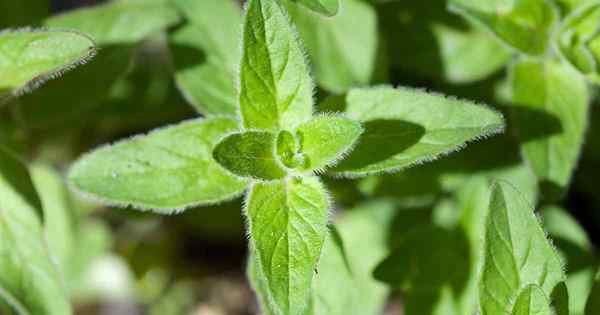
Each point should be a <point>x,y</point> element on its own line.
<point>167,170</point>
<point>23,13</point>
<point>275,85</point>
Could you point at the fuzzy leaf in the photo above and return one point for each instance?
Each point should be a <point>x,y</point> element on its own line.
<point>551,114</point>
<point>119,22</point>
<point>343,52</point>
<point>287,225</point>
<point>324,7</point>
<point>526,25</point>
<point>29,284</point>
<point>578,39</point>
<point>250,154</point>
<point>326,139</point>
<point>275,85</point>
<point>532,301</point>
<point>516,252</point>
<point>404,127</point>
<point>30,57</point>
<point>168,169</point>
<point>206,52</point>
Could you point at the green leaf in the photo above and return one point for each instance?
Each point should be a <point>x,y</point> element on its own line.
<point>275,85</point>
<point>325,140</point>
<point>59,219</point>
<point>404,127</point>
<point>532,301</point>
<point>325,7</point>
<point>287,222</point>
<point>578,39</point>
<point>551,116</point>
<point>516,252</point>
<point>526,25</point>
<point>206,52</point>
<point>593,303</point>
<point>119,22</point>
<point>167,170</point>
<point>343,52</point>
<point>250,154</point>
<point>28,58</point>
<point>22,13</point>
<point>29,282</point>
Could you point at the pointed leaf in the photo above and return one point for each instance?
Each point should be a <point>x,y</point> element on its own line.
<point>206,52</point>
<point>526,25</point>
<point>404,127</point>
<point>119,22</point>
<point>250,154</point>
<point>30,57</point>
<point>325,7</point>
<point>516,252</point>
<point>167,170</point>
<point>552,104</point>
<point>327,139</point>
<point>29,282</point>
<point>343,52</point>
<point>275,85</point>
<point>287,225</point>
<point>532,301</point>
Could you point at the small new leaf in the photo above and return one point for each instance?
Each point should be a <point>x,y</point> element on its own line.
<point>30,57</point>
<point>516,252</point>
<point>250,154</point>
<point>532,301</point>
<point>287,224</point>
<point>119,22</point>
<point>404,127</point>
<point>327,139</point>
<point>167,170</point>
<point>551,107</point>
<point>325,7</point>
<point>275,84</point>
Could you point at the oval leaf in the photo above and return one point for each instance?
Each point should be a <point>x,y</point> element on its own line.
<point>30,57</point>
<point>516,252</point>
<point>275,85</point>
<point>250,154</point>
<point>167,170</point>
<point>551,112</point>
<point>404,127</point>
<point>119,22</point>
<point>287,225</point>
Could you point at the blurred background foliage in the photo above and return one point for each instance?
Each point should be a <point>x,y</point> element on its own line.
<point>121,261</point>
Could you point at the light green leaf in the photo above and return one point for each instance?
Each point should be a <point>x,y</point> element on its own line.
<point>516,252</point>
<point>532,301</point>
<point>526,25</point>
<point>29,282</point>
<point>167,170</point>
<point>325,7</point>
<point>59,219</point>
<point>119,22</point>
<point>275,85</point>
<point>30,57</point>
<point>404,127</point>
<point>578,39</point>
<point>343,52</point>
<point>206,53</point>
<point>593,303</point>
<point>551,110</point>
<point>22,13</point>
<point>288,224</point>
<point>250,154</point>
<point>327,139</point>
